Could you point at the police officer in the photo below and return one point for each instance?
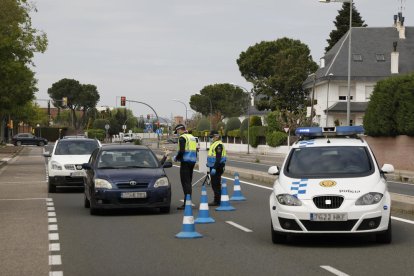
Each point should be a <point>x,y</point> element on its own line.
<point>216,160</point>
<point>187,155</point>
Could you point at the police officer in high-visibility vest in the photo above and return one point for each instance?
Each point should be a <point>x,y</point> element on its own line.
<point>216,160</point>
<point>187,155</point>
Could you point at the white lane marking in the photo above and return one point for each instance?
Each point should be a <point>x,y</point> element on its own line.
<point>53,236</point>
<point>402,183</point>
<point>52,220</point>
<point>239,226</point>
<point>403,220</point>
<point>50,208</point>
<point>54,247</point>
<point>49,199</point>
<point>56,273</point>
<point>16,199</point>
<point>267,165</point>
<point>50,204</point>
<point>51,214</point>
<point>6,159</point>
<point>52,227</point>
<point>55,260</point>
<point>182,200</point>
<point>334,270</point>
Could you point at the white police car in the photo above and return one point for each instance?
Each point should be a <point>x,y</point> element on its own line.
<point>330,182</point>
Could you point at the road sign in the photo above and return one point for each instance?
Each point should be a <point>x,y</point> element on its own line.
<point>286,129</point>
<point>123,126</point>
<point>106,126</point>
<point>130,131</point>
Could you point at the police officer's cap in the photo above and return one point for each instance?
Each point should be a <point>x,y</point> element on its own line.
<point>179,126</point>
<point>214,133</point>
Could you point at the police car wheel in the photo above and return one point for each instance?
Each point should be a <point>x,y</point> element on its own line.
<point>277,237</point>
<point>50,186</point>
<point>386,236</point>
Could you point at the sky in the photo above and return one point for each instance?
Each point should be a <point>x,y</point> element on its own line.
<point>154,51</point>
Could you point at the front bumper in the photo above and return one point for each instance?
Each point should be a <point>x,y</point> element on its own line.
<point>360,219</point>
<point>111,199</point>
<point>66,181</point>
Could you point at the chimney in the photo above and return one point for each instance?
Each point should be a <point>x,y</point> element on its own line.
<point>322,63</point>
<point>402,29</point>
<point>399,24</point>
<point>394,59</point>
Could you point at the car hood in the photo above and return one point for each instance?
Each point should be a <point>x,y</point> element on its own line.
<point>350,188</point>
<point>71,159</point>
<point>126,175</point>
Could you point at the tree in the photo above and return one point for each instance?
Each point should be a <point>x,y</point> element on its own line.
<point>203,124</point>
<point>226,100</point>
<point>390,110</point>
<point>79,97</point>
<point>277,70</point>
<point>255,121</point>
<point>342,24</point>
<point>18,43</point>
<point>232,124</point>
<point>273,121</point>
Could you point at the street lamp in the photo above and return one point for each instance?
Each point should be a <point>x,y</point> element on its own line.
<point>348,103</point>
<point>211,112</point>
<point>327,97</point>
<point>175,100</point>
<point>248,115</point>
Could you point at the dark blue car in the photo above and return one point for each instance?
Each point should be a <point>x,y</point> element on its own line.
<point>126,176</point>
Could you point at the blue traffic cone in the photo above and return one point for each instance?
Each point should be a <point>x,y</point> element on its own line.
<point>188,230</point>
<point>224,200</point>
<point>203,213</point>
<point>237,194</point>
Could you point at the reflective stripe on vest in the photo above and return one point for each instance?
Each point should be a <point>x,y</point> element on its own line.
<point>211,158</point>
<point>190,153</point>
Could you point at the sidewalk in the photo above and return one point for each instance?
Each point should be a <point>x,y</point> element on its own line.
<point>7,152</point>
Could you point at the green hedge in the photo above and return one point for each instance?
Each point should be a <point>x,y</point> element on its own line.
<point>276,138</point>
<point>96,134</point>
<point>255,132</point>
<point>234,133</point>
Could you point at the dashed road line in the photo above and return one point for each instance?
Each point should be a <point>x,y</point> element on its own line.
<point>239,226</point>
<point>334,270</point>
<point>403,220</point>
<point>55,259</point>
<point>17,199</point>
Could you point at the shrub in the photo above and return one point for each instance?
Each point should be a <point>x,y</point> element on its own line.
<point>273,121</point>
<point>255,121</point>
<point>255,133</point>
<point>276,138</point>
<point>234,133</point>
<point>99,123</point>
<point>203,124</point>
<point>96,134</point>
<point>232,124</point>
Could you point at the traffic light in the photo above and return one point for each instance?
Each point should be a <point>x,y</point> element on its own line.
<point>64,101</point>
<point>123,101</point>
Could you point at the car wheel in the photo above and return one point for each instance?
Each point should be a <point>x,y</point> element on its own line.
<point>386,236</point>
<point>165,210</point>
<point>41,144</point>
<point>86,202</point>
<point>51,187</point>
<point>18,143</point>
<point>277,237</point>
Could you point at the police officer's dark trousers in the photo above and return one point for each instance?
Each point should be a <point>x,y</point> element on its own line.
<point>186,176</point>
<point>216,184</point>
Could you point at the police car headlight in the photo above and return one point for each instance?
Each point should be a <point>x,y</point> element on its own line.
<point>56,166</point>
<point>161,182</point>
<point>102,184</point>
<point>369,199</point>
<point>289,200</point>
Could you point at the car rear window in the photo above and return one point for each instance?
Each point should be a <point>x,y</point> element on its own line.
<point>76,147</point>
<point>132,158</point>
<point>318,162</point>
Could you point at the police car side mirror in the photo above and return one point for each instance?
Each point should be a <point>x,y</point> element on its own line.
<point>47,154</point>
<point>273,170</point>
<point>387,168</point>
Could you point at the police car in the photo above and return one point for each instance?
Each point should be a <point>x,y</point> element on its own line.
<point>330,182</point>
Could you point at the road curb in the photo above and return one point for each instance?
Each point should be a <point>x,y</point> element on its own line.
<point>5,160</point>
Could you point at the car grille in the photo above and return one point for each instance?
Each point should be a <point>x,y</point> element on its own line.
<point>133,200</point>
<point>329,225</point>
<point>74,181</point>
<point>129,186</point>
<point>328,202</point>
<point>72,167</point>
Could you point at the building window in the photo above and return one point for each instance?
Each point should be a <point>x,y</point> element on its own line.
<point>380,57</point>
<point>343,98</point>
<point>343,93</point>
<point>357,57</point>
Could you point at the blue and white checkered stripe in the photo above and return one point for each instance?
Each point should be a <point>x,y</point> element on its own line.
<point>303,144</point>
<point>299,187</point>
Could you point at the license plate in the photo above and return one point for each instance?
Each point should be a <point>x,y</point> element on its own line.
<point>77,174</point>
<point>134,195</point>
<point>328,217</point>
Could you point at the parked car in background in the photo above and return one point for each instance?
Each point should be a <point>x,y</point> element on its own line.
<point>126,176</point>
<point>65,162</point>
<point>28,139</point>
<point>130,137</point>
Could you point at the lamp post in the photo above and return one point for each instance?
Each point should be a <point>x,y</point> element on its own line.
<point>211,112</point>
<point>248,115</point>
<point>348,102</point>
<point>175,100</point>
<point>327,98</point>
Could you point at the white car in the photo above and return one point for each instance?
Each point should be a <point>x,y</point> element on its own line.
<point>65,162</point>
<point>330,183</point>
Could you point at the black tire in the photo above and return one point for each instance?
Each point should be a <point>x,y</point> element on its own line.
<point>165,210</point>
<point>18,143</point>
<point>86,202</point>
<point>92,209</point>
<point>51,188</point>
<point>386,236</point>
<point>277,237</point>
<point>41,144</point>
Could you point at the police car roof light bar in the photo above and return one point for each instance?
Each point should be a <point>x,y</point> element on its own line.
<point>329,131</point>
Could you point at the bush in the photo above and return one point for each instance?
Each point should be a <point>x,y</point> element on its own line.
<point>255,121</point>
<point>96,134</point>
<point>221,126</point>
<point>273,121</point>
<point>232,124</point>
<point>99,123</point>
<point>276,138</point>
<point>234,133</point>
<point>255,133</point>
<point>203,124</point>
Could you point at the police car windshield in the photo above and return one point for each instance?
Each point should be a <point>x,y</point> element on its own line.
<point>318,162</point>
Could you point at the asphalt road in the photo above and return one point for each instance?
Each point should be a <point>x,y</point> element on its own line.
<point>143,242</point>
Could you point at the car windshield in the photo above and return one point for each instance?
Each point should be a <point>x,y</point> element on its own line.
<point>76,147</point>
<point>127,159</point>
<point>319,162</point>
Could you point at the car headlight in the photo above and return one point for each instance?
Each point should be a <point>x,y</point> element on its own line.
<point>102,184</point>
<point>289,200</point>
<point>369,199</point>
<point>56,166</point>
<point>161,182</point>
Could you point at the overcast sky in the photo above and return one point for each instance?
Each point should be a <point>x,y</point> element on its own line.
<point>158,50</point>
